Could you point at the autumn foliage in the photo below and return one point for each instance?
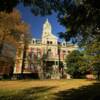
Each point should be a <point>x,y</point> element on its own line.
<point>12,28</point>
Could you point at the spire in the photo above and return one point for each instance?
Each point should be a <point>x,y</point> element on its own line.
<point>47,31</point>
<point>47,27</point>
<point>47,21</point>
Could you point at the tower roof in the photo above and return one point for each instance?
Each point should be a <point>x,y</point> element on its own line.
<point>47,21</point>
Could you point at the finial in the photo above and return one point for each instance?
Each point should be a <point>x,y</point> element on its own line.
<point>47,21</point>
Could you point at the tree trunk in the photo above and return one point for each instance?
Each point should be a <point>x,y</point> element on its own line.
<point>1,44</point>
<point>23,61</point>
<point>98,75</point>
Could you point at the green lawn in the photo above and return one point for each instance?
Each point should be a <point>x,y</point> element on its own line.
<point>74,89</point>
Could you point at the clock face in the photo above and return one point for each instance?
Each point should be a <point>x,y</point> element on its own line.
<point>46,33</point>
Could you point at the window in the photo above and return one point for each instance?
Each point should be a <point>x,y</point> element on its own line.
<point>33,41</point>
<point>64,51</point>
<point>38,41</point>
<point>68,51</point>
<point>50,42</point>
<point>64,44</point>
<point>47,42</point>
<point>49,50</point>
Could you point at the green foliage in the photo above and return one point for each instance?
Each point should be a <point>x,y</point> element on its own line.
<point>93,52</point>
<point>38,7</point>
<point>76,63</point>
<point>81,19</point>
<point>8,5</point>
<point>86,61</point>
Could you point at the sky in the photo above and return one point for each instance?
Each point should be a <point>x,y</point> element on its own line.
<point>36,22</point>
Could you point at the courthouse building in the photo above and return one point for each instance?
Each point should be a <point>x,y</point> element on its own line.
<point>44,57</point>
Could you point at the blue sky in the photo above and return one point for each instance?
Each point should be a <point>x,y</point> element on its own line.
<point>36,22</point>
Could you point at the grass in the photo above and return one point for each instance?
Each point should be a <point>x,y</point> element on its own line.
<point>75,89</point>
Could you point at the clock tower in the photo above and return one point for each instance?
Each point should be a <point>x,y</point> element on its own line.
<point>47,33</point>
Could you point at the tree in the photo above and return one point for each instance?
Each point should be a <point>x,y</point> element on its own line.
<point>38,7</point>
<point>76,64</point>
<point>11,26</point>
<point>93,52</point>
<point>81,19</point>
<point>11,30</point>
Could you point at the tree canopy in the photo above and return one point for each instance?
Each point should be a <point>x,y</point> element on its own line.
<point>81,19</point>
<point>93,53</point>
<point>12,27</point>
<point>77,65</point>
<point>11,30</point>
<point>42,7</point>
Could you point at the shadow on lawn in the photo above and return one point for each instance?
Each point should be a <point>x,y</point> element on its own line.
<point>91,92</point>
<point>35,93</point>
